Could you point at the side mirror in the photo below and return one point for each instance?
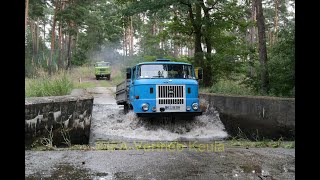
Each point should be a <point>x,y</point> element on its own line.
<point>128,73</point>
<point>199,73</point>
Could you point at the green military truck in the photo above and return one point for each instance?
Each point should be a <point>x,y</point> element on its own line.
<point>102,69</point>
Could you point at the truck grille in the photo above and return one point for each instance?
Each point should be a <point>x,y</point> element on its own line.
<point>102,69</point>
<point>170,94</point>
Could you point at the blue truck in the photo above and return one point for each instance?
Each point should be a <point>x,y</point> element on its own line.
<point>160,88</point>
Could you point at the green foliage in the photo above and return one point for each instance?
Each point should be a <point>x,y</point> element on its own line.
<point>39,58</point>
<point>82,71</point>
<point>36,9</point>
<point>57,85</point>
<point>282,64</point>
<point>99,22</point>
<point>116,78</point>
<point>164,28</point>
<point>129,62</point>
<point>226,86</point>
<point>185,59</point>
<point>241,140</point>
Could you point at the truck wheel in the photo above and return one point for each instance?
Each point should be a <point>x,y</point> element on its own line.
<point>97,77</point>
<point>108,77</point>
<point>125,108</point>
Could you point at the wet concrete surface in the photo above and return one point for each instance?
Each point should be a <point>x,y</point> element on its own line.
<point>103,95</point>
<point>233,163</point>
<point>110,124</point>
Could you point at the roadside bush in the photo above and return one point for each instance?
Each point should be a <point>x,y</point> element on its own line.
<point>231,87</point>
<point>56,85</point>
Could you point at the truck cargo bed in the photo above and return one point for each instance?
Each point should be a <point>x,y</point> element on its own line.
<point>122,92</point>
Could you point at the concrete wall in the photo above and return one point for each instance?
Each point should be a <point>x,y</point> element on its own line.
<point>267,117</point>
<point>71,113</point>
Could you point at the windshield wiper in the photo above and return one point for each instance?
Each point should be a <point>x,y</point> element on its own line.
<point>158,76</point>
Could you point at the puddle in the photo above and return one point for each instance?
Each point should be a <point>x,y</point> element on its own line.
<point>68,171</point>
<point>251,168</point>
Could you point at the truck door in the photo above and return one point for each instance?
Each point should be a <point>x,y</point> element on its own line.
<point>131,85</point>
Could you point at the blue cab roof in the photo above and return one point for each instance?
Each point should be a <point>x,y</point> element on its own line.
<point>164,62</point>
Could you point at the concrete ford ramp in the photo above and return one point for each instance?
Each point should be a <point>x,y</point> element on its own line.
<point>263,117</point>
<point>58,119</point>
<point>110,125</point>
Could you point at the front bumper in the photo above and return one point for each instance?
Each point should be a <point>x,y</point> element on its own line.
<point>168,114</point>
<point>102,75</point>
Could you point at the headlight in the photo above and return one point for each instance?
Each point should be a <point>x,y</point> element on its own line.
<point>195,106</point>
<point>145,107</point>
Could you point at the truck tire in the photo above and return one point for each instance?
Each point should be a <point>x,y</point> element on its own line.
<point>125,108</point>
<point>108,77</point>
<point>97,77</point>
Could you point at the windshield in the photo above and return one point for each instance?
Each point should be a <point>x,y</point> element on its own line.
<point>166,71</point>
<point>102,64</point>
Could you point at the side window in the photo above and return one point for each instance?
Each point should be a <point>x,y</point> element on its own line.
<point>133,73</point>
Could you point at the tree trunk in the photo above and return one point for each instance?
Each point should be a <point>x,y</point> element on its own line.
<point>175,47</point>
<point>196,23</point>
<point>190,49</point>
<point>154,33</point>
<point>208,66</point>
<point>64,50</point>
<point>32,28</point>
<point>73,48</point>
<point>53,36</point>
<point>262,47</point>
<point>126,36</point>
<point>162,39</point>
<point>44,43</point>
<point>131,38</point>
<point>38,39</point>
<point>60,59</point>
<point>252,40</point>
<point>69,53</point>
<point>26,15</point>
<point>127,41</point>
<point>60,65</point>
<point>253,19</point>
<point>124,41</point>
<point>276,19</point>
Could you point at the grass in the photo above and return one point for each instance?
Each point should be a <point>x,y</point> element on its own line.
<point>62,82</point>
<point>229,87</point>
<point>82,72</point>
<point>232,143</point>
<point>267,143</point>
<point>88,73</point>
<point>241,140</point>
<point>116,76</point>
<point>72,147</point>
<point>57,85</point>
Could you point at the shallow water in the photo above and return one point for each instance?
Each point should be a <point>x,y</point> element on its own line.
<point>110,123</point>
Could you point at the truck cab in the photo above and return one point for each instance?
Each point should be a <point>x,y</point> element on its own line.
<point>162,88</point>
<point>102,69</point>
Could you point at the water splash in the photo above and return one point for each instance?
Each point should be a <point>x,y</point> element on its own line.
<point>109,122</point>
